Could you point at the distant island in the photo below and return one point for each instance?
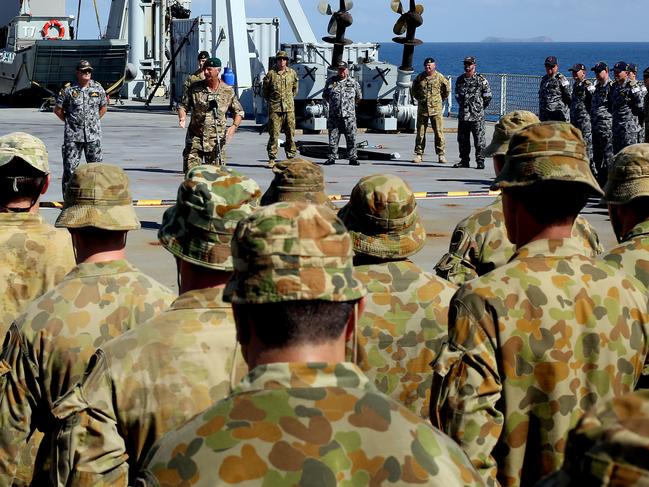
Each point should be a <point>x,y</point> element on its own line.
<point>506,39</point>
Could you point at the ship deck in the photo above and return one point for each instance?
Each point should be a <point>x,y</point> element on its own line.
<point>148,143</point>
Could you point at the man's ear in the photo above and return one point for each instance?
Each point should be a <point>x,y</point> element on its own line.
<point>359,307</point>
<point>48,179</point>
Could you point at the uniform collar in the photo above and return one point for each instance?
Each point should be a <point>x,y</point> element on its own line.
<point>640,229</point>
<point>559,247</point>
<point>209,298</point>
<point>20,219</point>
<point>112,267</point>
<point>303,376</point>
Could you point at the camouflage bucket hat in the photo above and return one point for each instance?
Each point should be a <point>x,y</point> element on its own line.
<point>382,218</point>
<point>98,195</point>
<point>507,126</point>
<point>297,180</point>
<point>546,151</point>
<point>628,177</point>
<point>292,251</point>
<point>210,203</point>
<point>609,446</point>
<point>26,147</point>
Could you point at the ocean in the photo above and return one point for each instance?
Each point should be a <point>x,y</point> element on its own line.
<point>520,57</point>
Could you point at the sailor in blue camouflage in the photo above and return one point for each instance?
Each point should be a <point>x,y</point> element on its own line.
<point>473,95</point>
<point>580,105</point>
<point>554,93</point>
<point>645,78</point>
<point>633,75</point>
<point>342,93</point>
<point>601,123</point>
<point>626,105</point>
<point>81,105</point>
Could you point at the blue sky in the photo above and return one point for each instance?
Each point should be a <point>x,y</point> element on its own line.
<point>452,21</point>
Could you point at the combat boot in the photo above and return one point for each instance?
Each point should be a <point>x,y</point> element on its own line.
<point>271,163</point>
<point>330,162</point>
<point>442,159</point>
<point>417,159</point>
<point>354,162</point>
<point>480,165</point>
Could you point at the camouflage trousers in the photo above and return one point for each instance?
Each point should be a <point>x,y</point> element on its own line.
<point>624,134</point>
<point>602,153</point>
<point>587,133</point>
<point>464,131</point>
<point>196,152</point>
<point>283,122</point>
<point>437,124</point>
<point>348,128</point>
<point>554,115</point>
<point>71,152</point>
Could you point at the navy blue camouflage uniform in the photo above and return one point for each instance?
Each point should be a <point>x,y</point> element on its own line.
<point>342,96</point>
<point>473,95</point>
<point>626,105</point>
<point>554,98</point>
<point>82,126</point>
<point>602,123</point>
<point>580,106</point>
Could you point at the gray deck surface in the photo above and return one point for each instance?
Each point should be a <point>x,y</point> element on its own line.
<point>147,143</point>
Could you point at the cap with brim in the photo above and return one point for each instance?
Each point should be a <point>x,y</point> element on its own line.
<point>25,147</point>
<point>429,60</point>
<point>292,251</point>
<point>203,55</point>
<point>550,61</point>
<point>507,126</point>
<point>633,68</point>
<point>210,203</point>
<point>546,151</point>
<point>628,177</point>
<point>98,195</point>
<point>83,64</point>
<point>469,60</point>
<point>599,67</point>
<point>382,218</point>
<point>609,446</point>
<point>297,179</point>
<point>341,65</point>
<point>281,55</point>
<point>577,67</point>
<point>621,66</point>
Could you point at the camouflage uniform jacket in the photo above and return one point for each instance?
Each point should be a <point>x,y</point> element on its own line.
<point>81,108</point>
<point>35,257</point>
<point>202,124</point>
<point>600,111</point>
<point>48,347</point>
<point>480,244</point>
<point>532,346</point>
<point>581,103</point>
<point>144,383</point>
<point>191,79</point>
<point>430,92</point>
<point>306,424</point>
<point>626,104</point>
<point>401,330</point>
<point>555,94</point>
<point>632,255</point>
<point>473,96</point>
<point>342,96</point>
<point>280,88</point>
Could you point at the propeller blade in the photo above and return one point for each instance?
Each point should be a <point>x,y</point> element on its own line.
<point>419,9</point>
<point>348,5</point>
<point>332,28</point>
<point>324,8</point>
<point>400,27</point>
<point>396,6</point>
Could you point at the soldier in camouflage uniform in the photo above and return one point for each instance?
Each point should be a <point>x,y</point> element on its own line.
<point>196,75</point>
<point>81,105</point>
<point>479,243</point>
<point>627,194</point>
<point>632,72</point>
<point>581,104</point>
<point>554,93</point>
<point>297,180</point>
<point>473,96</point>
<point>341,94</point>
<point>35,255</point>
<point>279,88</point>
<point>302,415</point>
<point>209,101</point>
<point>537,342</point>
<point>405,318</point>
<point>160,374</point>
<point>626,104</point>
<point>602,123</point>
<point>47,348</point>
<point>645,78</point>
<point>609,446</point>
<point>430,88</point>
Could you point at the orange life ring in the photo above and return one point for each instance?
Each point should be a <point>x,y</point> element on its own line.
<point>53,23</point>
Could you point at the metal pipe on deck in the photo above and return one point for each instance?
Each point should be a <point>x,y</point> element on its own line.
<point>136,88</point>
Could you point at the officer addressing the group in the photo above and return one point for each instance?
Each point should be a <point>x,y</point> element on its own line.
<point>80,105</point>
<point>209,100</point>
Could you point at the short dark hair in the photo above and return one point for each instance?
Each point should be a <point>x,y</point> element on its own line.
<point>552,202</point>
<point>639,207</point>
<point>20,181</point>
<point>279,325</point>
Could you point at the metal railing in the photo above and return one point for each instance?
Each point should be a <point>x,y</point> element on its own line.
<point>510,92</point>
